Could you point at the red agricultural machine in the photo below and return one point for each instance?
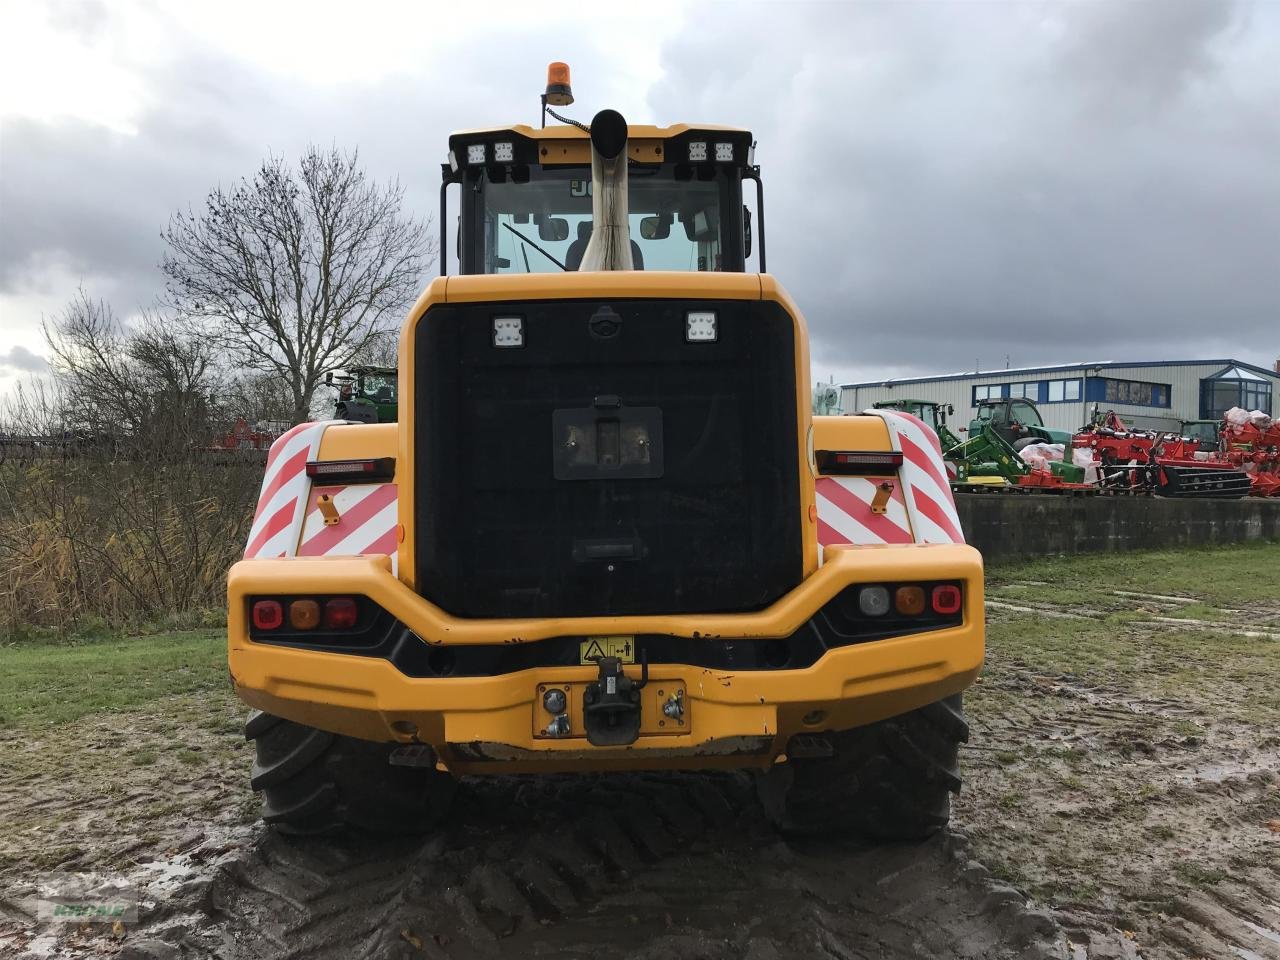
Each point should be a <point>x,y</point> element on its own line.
<point>1145,461</point>
<point>1252,444</point>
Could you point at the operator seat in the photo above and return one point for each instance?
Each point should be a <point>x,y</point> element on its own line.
<point>573,259</point>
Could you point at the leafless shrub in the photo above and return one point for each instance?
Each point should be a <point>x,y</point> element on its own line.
<point>112,505</point>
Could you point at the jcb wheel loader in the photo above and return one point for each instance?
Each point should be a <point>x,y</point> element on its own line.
<point>606,533</point>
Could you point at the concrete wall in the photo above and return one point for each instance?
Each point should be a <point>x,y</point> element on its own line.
<point>1033,525</point>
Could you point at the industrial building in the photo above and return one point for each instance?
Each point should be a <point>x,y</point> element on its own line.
<point>1147,395</point>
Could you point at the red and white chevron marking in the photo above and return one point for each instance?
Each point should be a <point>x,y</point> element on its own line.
<point>930,505</point>
<point>368,517</point>
<point>844,512</point>
<point>282,501</point>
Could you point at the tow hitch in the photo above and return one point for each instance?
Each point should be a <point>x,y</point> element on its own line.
<point>611,705</point>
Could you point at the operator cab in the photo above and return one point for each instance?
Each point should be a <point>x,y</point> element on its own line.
<point>526,196</point>
<point>932,414</point>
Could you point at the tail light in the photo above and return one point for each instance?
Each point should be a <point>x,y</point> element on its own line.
<point>854,463</point>
<point>903,604</point>
<point>340,613</point>
<point>304,614</point>
<point>352,471</point>
<point>909,601</point>
<point>268,614</point>
<point>873,601</point>
<point>946,599</point>
<point>320,616</point>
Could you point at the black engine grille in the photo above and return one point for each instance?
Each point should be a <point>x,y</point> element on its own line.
<point>687,500</point>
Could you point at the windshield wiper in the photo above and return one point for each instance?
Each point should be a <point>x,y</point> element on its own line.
<point>536,247</point>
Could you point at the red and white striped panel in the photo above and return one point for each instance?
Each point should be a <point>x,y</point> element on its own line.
<point>367,522</point>
<point>277,522</point>
<point>844,512</point>
<point>924,477</point>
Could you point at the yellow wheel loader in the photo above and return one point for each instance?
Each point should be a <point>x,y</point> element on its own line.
<point>606,532</point>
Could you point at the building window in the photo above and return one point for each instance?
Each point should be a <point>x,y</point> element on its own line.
<point>1062,391</point>
<point>988,391</point>
<point>1134,393</point>
<point>1234,387</point>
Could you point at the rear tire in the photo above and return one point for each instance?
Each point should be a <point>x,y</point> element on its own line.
<point>316,782</point>
<point>1025,442</point>
<point>890,780</point>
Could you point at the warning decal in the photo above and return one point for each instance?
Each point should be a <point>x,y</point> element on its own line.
<point>595,648</point>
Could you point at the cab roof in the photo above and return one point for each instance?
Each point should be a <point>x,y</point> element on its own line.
<point>566,144</point>
<point>634,131</point>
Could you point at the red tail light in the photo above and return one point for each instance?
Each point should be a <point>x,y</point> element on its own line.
<point>268,614</point>
<point>867,463</point>
<point>946,599</point>
<point>340,613</point>
<point>352,471</point>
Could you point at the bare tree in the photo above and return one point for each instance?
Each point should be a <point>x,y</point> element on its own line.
<point>126,381</point>
<point>292,272</point>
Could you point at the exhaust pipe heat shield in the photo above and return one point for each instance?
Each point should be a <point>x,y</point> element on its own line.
<point>610,245</point>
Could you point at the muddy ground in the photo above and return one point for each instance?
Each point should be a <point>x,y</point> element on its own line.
<point>1122,799</point>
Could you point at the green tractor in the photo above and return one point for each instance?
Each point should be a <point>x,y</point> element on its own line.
<point>1207,432</point>
<point>1016,421</point>
<point>933,414</point>
<point>365,394</point>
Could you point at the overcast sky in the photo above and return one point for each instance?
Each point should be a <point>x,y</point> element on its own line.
<point>947,184</point>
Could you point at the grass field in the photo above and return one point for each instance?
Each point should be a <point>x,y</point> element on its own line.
<point>44,684</point>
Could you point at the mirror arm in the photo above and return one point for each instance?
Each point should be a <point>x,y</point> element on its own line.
<point>444,233</point>
<point>755,175</point>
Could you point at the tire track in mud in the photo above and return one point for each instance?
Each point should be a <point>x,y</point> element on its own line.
<point>626,866</point>
<point>1182,808</point>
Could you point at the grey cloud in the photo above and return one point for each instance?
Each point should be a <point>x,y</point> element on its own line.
<point>944,182</point>
<point>952,183</point>
<point>94,201</point>
<point>21,360</point>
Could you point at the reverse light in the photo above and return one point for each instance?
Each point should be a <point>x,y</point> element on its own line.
<point>340,613</point>
<point>909,601</point>
<point>304,614</point>
<point>267,614</point>
<point>946,599</point>
<point>700,326</point>
<point>504,152</point>
<point>352,471</point>
<point>867,463</point>
<point>697,151</point>
<point>724,153</point>
<point>475,153</point>
<point>873,601</point>
<point>508,332</point>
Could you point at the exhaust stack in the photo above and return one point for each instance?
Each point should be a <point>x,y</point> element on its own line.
<point>610,245</point>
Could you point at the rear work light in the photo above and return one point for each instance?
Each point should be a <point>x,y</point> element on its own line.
<point>268,614</point>
<point>857,463</point>
<point>700,326</point>
<point>946,599</point>
<point>340,613</point>
<point>352,471</point>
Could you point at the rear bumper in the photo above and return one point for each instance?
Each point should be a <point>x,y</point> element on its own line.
<point>490,724</point>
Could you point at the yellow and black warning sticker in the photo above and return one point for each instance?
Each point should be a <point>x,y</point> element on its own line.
<point>595,648</point>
